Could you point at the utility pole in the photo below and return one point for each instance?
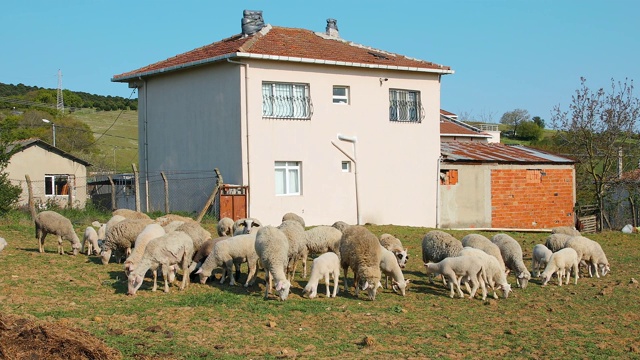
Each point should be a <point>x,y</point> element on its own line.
<point>59,100</point>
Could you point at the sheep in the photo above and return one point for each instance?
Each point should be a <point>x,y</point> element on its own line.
<point>130,214</point>
<point>481,242</point>
<point>360,249</point>
<point>562,262</point>
<point>236,249</point>
<point>122,236</point>
<point>205,250</point>
<point>324,266</point>
<point>512,255</point>
<point>102,229</point>
<point>295,234</point>
<point>555,242</point>
<point>168,218</point>
<point>468,267</point>
<point>197,233</point>
<point>245,226</point>
<point>320,240</point>
<point>147,234</point>
<point>389,266</point>
<point>293,216</point>
<point>539,258</point>
<point>495,278</point>
<point>272,247</point>
<point>438,245</point>
<point>340,225</point>
<point>3,244</point>
<point>591,253</point>
<point>50,222</point>
<point>567,230</point>
<point>394,245</point>
<point>90,240</point>
<point>170,226</point>
<point>225,227</point>
<point>175,248</point>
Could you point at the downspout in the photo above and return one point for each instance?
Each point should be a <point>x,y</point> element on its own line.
<point>146,145</point>
<point>246,119</point>
<point>353,141</point>
<point>438,193</point>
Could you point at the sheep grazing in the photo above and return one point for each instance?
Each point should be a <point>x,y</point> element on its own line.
<point>555,242</point>
<point>390,268</point>
<point>295,234</point>
<point>320,240</point>
<point>470,268</point>
<point>495,277</point>
<point>360,249</point>
<point>205,250</point>
<point>293,216</point>
<point>324,266</point>
<point>90,240</point>
<point>50,222</point>
<point>3,244</point>
<point>150,232</point>
<point>539,258</point>
<point>438,245</point>
<point>234,250</point>
<point>246,226</point>
<point>591,253</point>
<point>272,247</point>
<point>130,214</point>
<point>197,233</point>
<point>481,242</point>
<point>225,227</point>
<point>561,263</point>
<point>394,245</point>
<point>511,252</point>
<point>166,251</point>
<point>340,225</point>
<point>567,230</point>
<point>121,238</point>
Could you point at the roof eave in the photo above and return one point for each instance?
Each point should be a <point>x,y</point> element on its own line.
<point>485,136</point>
<point>136,76</point>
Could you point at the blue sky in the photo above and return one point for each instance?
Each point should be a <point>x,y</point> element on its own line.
<point>506,54</point>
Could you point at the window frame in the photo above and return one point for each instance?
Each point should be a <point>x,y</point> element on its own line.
<point>348,168</point>
<point>288,167</point>
<point>345,97</point>
<point>404,109</point>
<point>54,184</point>
<point>286,106</point>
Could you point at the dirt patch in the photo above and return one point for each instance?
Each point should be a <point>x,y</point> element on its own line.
<point>26,339</point>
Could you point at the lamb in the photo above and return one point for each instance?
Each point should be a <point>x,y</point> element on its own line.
<point>360,249</point>
<point>150,232</point>
<point>438,245</point>
<point>122,236</point>
<point>512,255</point>
<point>591,253</point>
<point>130,214</point>
<point>246,226</point>
<point>3,244</point>
<point>389,266</point>
<point>394,245</point>
<point>481,242</point>
<point>468,267</point>
<point>236,249</point>
<point>293,216</point>
<point>324,266</point>
<point>90,240</point>
<point>102,229</point>
<point>562,262</point>
<point>567,230</point>
<point>272,247</point>
<point>171,249</point>
<point>225,227</point>
<point>556,242</point>
<point>540,258</point>
<point>295,234</point>
<point>340,225</point>
<point>495,278</point>
<point>50,222</point>
<point>320,240</point>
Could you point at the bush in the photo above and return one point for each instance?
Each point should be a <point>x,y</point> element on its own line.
<point>529,130</point>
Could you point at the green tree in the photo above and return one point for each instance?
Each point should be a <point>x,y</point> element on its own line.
<point>514,118</point>
<point>9,193</point>
<point>529,130</point>
<point>539,121</point>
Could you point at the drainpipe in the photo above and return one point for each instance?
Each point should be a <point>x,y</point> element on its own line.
<point>146,145</point>
<point>246,119</point>
<point>438,193</point>
<point>353,140</point>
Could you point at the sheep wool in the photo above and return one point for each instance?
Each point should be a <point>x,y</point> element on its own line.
<point>360,249</point>
<point>295,234</point>
<point>324,266</point>
<point>394,245</point>
<point>555,242</point>
<point>234,250</point>
<point>293,216</point>
<point>272,247</point>
<point>225,227</point>
<point>90,240</point>
<point>320,240</point>
<point>130,214</point>
<point>50,222</point>
<point>539,258</point>
<point>511,252</point>
<point>567,230</point>
<point>122,236</point>
<point>197,233</point>
<point>494,276</point>
<point>3,244</point>
<point>481,242</point>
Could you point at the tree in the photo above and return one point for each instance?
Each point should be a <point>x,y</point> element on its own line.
<point>593,130</point>
<point>529,130</point>
<point>9,193</point>
<point>514,118</point>
<point>539,121</point>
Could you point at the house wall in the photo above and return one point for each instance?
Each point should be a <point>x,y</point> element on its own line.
<point>38,162</point>
<point>466,204</point>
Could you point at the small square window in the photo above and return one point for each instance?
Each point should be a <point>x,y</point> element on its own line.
<point>346,166</point>
<point>341,95</point>
<point>448,177</point>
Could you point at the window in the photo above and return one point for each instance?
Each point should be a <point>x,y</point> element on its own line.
<point>56,185</point>
<point>287,178</point>
<point>404,105</point>
<point>346,166</point>
<point>534,176</point>
<point>286,101</point>
<point>448,177</point>
<point>341,95</point>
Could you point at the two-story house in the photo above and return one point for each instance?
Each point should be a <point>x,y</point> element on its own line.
<point>310,122</point>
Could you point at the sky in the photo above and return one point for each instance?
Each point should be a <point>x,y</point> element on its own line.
<point>506,54</point>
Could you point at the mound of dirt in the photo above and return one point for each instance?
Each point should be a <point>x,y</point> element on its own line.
<point>26,339</point>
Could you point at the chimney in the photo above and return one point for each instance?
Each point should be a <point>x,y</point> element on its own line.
<point>332,28</point>
<point>252,22</point>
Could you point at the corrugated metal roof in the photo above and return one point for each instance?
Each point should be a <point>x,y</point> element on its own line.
<point>20,145</point>
<point>453,127</point>
<point>497,152</point>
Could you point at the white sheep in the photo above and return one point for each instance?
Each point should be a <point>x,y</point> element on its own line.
<point>236,249</point>
<point>483,243</point>
<point>495,278</point>
<point>591,253</point>
<point>150,232</point>
<point>468,267</point>
<point>169,218</point>
<point>272,247</point>
<point>295,234</point>
<point>511,252</point>
<point>90,240</point>
<point>50,222</point>
<point>246,226</point>
<point>555,242</point>
<point>3,244</point>
<point>121,237</point>
<point>561,263</point>
<point>170,226</point>
<point>394,245</point>
<point>567,230</point>
<point>320,240</point>
<point>293,216</point>
<point>130,214</point>
<point>198,234</point>
<point>205,250</point>
<point>175,248</point>
<point>438,245</point>
<point>360,249</point>
<point>225,227</point>
<point>102,229</point>
<point>539,258</point>
<point>323,267</point>
<point>390,268</point>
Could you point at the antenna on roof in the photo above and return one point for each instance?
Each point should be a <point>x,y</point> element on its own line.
<point>59,100</point>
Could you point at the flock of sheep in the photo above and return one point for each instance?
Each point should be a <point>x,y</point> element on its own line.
<point>174,243</point>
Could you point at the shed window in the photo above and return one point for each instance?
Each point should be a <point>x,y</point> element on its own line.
<point>448,177</point>
<point>534,176</point>
<point>56,185</point>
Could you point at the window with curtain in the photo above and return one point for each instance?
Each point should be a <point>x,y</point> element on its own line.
<point>287,177</point>
<point>56,185</point>
<point>404,105</point>
<point>286,101</point>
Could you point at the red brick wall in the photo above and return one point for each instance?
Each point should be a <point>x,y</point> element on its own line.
<point>532,199</point>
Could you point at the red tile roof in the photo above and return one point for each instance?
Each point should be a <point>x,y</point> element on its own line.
<point>279,43</point>
<point>450,128</point>
<point>447,113</point>
<point>477,152</point>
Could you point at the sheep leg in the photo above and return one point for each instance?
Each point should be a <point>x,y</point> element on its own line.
<point>575,270</point>
<point>560,275</point>
<point>60,247</point>
<point>336,276</point>
<point>155,280</point>
<point>267,286</point>
<point>346,283</point>
<point>356,281</point>
<point>474,287</point>
<point>327,284</point>
<point>251,277</point>
<point>185,272</point>
<point>228,266</point>
<point>165,277</point>
<point>451,293</point>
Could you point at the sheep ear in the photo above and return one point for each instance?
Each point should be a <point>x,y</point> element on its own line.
<point>406,281</point>
<point>521,276</point>
<point>279,286</point>
<point>365,286</point>
<point>199,271</point>
<point>393,282</point>
<point>129,267</point>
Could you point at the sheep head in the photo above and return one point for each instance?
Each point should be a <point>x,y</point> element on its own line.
<point>282,287</point>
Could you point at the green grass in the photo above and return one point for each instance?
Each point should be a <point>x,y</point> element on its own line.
<point>597,318</point>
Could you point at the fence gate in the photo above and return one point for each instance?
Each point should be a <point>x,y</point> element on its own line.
<point>233,201</point>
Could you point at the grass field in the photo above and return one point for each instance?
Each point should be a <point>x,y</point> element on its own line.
<point>595,319</point>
